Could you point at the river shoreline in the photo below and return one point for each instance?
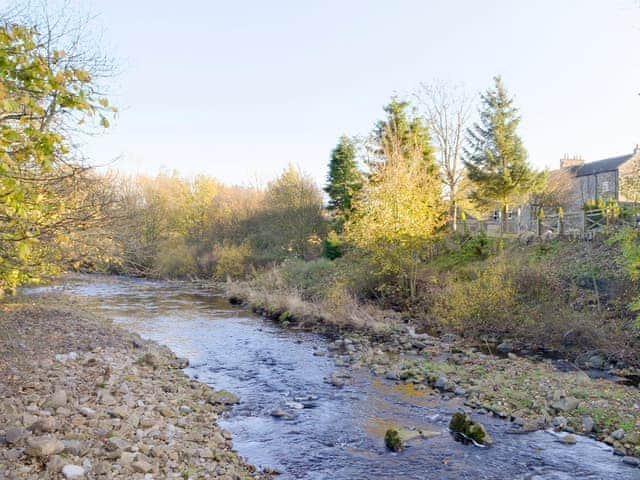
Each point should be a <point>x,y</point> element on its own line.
<point>83,398</point>
<point>445,376</point>
<point>532,395</point>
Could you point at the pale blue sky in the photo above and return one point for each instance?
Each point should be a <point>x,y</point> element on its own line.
<point>238,89</point>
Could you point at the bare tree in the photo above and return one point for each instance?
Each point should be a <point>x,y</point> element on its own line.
<point>556,191</point>
<point>447,109</point>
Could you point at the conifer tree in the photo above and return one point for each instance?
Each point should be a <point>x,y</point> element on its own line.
<point>496,159</point>
<point>343,181</point>
<point>400,211</point>
<point>402,134</point>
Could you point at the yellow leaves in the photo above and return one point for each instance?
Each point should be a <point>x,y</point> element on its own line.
<point>82,75</point>
<point>59,78</point>
<point>39,197</point>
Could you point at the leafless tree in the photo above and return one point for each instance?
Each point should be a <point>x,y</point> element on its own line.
<point>556,191</point>
<point>447,108</point>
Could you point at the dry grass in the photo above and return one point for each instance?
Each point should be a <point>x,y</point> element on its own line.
<point>269,295</point>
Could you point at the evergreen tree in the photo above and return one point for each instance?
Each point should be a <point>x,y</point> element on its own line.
<point>496,160</point>
<point>402,134</point>
<point>344,180</point>
<point>399,212</point>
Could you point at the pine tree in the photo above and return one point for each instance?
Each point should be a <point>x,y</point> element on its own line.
<point>402,134</point>
<point>343,181</point>
<point>496,160</point>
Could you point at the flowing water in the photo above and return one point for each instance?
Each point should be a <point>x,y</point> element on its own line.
<point>341,435</point>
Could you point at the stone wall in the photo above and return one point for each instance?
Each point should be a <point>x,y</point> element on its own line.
<point>599,185</point>
<point>631,167</point>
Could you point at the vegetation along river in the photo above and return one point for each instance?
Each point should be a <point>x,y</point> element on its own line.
<point>339,434</point>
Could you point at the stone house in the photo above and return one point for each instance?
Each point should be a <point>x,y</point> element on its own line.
<point>571,186</point>
<point>598,179</point>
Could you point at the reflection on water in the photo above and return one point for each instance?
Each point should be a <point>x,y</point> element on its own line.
<point>340,435</point>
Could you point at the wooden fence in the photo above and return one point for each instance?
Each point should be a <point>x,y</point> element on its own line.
<point>582,222</point>
<point>569,223</point>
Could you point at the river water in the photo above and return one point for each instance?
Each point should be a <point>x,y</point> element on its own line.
<point>341,436</point>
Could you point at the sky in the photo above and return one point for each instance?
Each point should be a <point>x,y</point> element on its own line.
<point>239,89</point>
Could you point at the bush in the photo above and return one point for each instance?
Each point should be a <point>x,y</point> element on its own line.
<point>311,279</point>
<point>629,239</point>
<point>232,261</point>
<point>477,299</point>
<point>175,259</point>
<point>332,246</point>
<point>463,249</point>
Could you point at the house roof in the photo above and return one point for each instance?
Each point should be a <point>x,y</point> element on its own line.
<point>599,166</point>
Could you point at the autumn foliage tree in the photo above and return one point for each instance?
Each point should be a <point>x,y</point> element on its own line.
<point>44,95</point>
<point>400,210</point>
<point>294,207</point>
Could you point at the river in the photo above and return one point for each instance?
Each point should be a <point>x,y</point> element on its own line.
<point>341,435</point>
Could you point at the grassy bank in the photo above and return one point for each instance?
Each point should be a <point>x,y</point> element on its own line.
<point>532,393</point>
<point>570,297</point>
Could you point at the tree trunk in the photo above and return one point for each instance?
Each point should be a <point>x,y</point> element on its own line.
<point>455,216</point>
<point>503,220</point>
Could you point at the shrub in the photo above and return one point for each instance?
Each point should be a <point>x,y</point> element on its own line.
<point>477,299</point>
<point>332,246</point>
<point>175,259</point>
<point>311,279</point>
<point>232,261</point>
<point>629,238</point>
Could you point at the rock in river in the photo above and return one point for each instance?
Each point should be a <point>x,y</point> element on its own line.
<point>222,397</point>
<point>568,440</point>
<point>461,423</point>
<point>393,441</point>
<point>283,414</point>
<point>633,461</point>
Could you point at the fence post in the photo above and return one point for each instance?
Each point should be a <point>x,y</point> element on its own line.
<point>560,221</point>
<point>540,218</point>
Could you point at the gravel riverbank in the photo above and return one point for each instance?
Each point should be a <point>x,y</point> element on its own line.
<point>530,393</point>
<point>83,398</point>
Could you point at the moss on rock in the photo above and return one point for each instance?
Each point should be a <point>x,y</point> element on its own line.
<point>393,441</point>
<point>462,423</point>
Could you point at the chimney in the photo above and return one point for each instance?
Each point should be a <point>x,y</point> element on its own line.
<point>636,150</point>
<point>568,162</point>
